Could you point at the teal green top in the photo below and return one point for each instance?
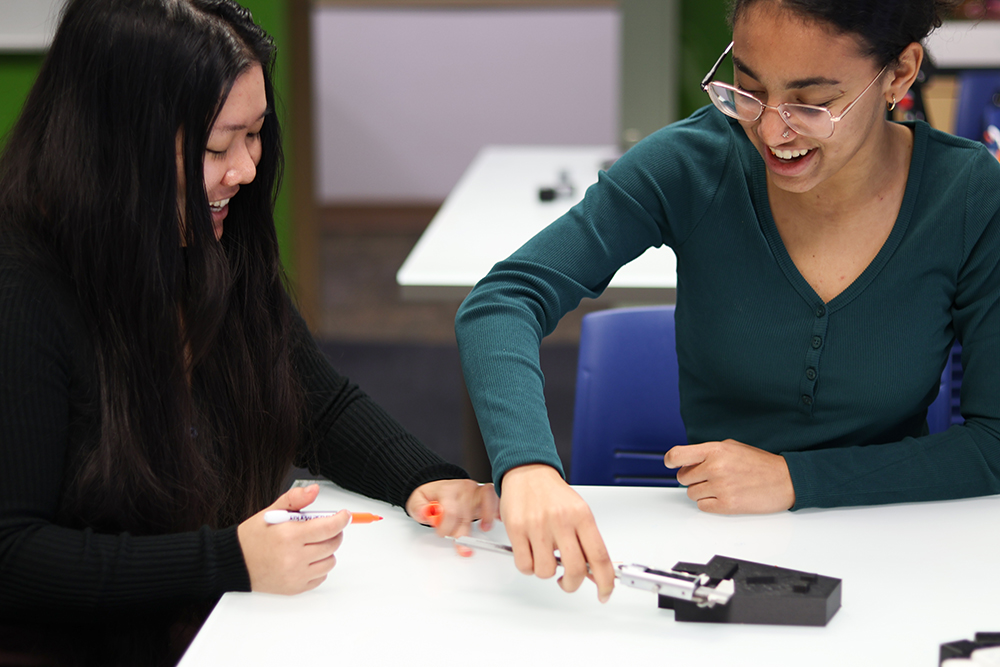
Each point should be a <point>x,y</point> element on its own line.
<point>840,389</point>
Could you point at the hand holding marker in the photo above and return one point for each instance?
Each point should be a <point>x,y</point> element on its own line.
<point>433,514</point>
<point>282,516</point>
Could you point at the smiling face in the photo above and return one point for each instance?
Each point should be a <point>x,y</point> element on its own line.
<point>781,58</point>
<point>234,146</point>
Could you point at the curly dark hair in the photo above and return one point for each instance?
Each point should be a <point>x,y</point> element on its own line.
<point>886,27</point>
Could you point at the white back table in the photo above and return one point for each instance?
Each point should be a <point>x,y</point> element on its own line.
<point>914,576</point>
<point>494,209</point>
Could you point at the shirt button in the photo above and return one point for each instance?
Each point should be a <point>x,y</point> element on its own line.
<point>821,311</point>
<point>817,342</point>
<point>807,399</point>
<point>811,373</point>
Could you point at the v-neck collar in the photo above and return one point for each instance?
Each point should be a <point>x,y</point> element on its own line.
<point>758,178</point>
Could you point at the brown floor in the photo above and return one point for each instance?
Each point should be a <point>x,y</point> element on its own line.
<point>361,301</point>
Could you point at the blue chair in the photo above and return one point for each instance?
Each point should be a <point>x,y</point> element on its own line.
<point>945,410</point>
<point>627,412</point>
<point>977,106</point>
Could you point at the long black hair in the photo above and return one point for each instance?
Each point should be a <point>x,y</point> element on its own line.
<point>199,408</point>
<point>885,27</point>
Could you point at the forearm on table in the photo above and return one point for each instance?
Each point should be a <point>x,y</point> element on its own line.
<point>50,572</point>
<point>962,462</point>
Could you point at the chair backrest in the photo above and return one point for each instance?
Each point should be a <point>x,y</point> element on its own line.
<point>977,106</point>
<point>945,410</point>
<point>627,412</point>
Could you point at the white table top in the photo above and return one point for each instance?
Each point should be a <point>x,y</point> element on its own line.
<point>914,576</point>
<point>494,209</point>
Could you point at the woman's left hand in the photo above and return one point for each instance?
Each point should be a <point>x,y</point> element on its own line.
<point>730,477</point>
<point>461,502</point>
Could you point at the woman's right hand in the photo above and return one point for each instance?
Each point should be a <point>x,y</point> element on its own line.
<point>295,556</point>
<point>542,513</point>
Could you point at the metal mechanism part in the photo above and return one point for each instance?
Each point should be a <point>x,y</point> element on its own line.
<point>697,588</point>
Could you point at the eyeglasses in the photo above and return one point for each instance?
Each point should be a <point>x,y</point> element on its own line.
<point>804,119</point>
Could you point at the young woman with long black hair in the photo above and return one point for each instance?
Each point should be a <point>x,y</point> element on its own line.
<point>827,260</point>
<point>156,382</point>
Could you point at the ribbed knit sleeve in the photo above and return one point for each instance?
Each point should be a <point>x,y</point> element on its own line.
<point>631,208</point>
<point>354,442</point>
<point>48,572</point>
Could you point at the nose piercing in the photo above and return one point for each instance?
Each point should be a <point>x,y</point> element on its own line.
<point>784,134</point>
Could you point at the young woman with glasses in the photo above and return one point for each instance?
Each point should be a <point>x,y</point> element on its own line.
<point>156,382</point>
<point>827,260</point>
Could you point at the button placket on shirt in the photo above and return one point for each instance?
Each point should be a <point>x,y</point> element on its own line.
<point>814,351</point>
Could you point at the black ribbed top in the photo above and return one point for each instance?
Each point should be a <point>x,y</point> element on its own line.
<point>47,381</point>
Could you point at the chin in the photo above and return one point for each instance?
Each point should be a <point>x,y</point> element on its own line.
<point>797,185</point>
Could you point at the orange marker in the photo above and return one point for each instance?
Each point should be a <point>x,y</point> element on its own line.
<point>281,516</point>
<point>433,514</point>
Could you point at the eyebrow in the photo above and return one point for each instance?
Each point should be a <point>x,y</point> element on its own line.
<point>234,128</point>
<point>797,84</point>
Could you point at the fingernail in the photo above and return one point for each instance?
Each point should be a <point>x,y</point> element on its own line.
<point>464,551</point>
<point>604,598</point>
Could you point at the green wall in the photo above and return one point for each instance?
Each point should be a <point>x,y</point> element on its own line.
<point>18,72</point>
<point>704,35</point>
<point>272,15</point>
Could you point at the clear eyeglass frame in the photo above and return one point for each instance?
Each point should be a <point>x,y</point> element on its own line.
<point>805,119</point>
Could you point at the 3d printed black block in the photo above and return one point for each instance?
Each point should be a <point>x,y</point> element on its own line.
<point>963,648</point>
<point>765,594</point>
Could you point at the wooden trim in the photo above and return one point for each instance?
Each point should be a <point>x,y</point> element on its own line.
<point>308,220</point>
<point>376,219</point>
<point>305,234</point>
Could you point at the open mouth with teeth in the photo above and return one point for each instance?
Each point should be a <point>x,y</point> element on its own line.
<point>790,155</point>
<point>217,206</point>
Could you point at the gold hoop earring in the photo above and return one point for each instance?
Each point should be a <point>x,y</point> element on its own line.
<point>889,107</point>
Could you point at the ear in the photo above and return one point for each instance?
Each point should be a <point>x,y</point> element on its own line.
<point>904,72</point>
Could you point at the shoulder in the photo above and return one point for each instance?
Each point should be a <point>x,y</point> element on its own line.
<point>960,180</point>
<point>34,304</point>
<point>690,156</point>
<point>958,172</point>
<point>958,155</point>
<point>22,278</point>
<point>705,133</point>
